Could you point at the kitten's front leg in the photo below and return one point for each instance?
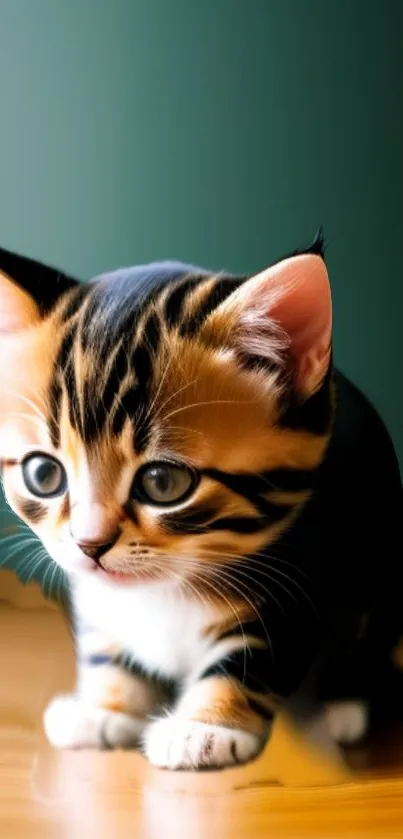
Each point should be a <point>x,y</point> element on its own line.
<point>215,724</point>
<point>108,710</point>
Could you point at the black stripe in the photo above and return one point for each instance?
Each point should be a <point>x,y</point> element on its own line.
<point>98,408</point>
<point>250,627</point>
<point>260,708</point>
<point>131,511</point>
<point>142,434</point>
<point>240,524</point>
<point>66,347</point>
<point>134,401</point>
<point>55,395</point>
<point>200,521</point>
<point>32,510</point>
<point>141,362</point>
<point>117,373</point>
<point>257,362</point>
<point>73,400</point>
<point>222,288</point>
<point>170,686</point>
<point>252,667</point>
<point>73,304</point>
<point>174,303</point>
<point>152,332</point>
<point>190,520</point>
<point>250,485</point>
<point>64,364</point>
<point>126,409</point>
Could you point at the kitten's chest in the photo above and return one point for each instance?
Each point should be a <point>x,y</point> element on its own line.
<point>155,624</point>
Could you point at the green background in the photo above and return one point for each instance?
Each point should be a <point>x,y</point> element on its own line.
<point>221,132</point>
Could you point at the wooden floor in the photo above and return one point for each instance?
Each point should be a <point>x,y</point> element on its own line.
<point>73,795</point>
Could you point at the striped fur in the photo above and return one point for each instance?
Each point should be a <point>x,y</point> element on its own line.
<point>152,364</point>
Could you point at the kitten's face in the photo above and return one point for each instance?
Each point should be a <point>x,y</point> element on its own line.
<point>156,439</point>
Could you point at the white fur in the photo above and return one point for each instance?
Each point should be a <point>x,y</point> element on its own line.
<point>155,623</point>
<point>182,744</point>
<point>166,634</point>
<point>347,721</point>
<point>71,723</point>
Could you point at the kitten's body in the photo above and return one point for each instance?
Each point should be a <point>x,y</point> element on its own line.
<point>266,566</point>
<point>348,622</point>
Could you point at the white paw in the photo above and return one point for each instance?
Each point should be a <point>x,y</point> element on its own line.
<point>70,723</point>
<point>347,721</point>
<point>182,744</point>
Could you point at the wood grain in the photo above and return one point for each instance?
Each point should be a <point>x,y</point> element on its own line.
<point>83,794</point>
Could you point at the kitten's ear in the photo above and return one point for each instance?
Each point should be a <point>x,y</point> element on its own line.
<point>28,290</point>
<point>295,294</point>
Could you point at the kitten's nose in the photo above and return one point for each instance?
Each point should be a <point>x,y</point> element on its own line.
<point>94,528</point>
<point>96,549</point>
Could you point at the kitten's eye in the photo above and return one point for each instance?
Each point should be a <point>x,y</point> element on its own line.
<point>162,483</point>
<point>44,476</point>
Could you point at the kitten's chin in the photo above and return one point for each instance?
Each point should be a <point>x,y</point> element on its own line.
<point>117,578</point>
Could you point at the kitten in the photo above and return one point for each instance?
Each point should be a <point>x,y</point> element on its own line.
<point>223,501</point>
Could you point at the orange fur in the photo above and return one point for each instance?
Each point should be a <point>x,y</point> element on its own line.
<point>219,701</point>
<point>206,410</point>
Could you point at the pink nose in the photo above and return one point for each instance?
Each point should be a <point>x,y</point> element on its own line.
<point>94,529</point>
<point>96,549</point>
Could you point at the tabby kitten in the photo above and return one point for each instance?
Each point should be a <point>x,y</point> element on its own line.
<point>222,501</point>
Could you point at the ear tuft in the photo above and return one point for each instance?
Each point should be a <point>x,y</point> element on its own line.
<point>316,248</point>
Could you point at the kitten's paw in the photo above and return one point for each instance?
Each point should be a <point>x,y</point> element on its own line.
<point>348,721</point>
<point>182,744</point>
<point>70,723</point>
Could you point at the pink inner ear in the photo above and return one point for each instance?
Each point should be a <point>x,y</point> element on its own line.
<point>17,309</point>
<point>296,293</point>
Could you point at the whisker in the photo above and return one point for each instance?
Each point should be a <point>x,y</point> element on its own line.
<point>173,396</point>
<point>158,391</point>
<point>5,560</point>
<point>228,581</point>
<point>39,422</point>
<point>264,572</point>
<point>241,572</point>
<point>29,402</point>
<point>37,560</point>
<point>207,402</point>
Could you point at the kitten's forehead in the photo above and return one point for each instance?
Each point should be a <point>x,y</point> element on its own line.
<point>98,465</point>
<point>101,474</point>
<point>117,337</point>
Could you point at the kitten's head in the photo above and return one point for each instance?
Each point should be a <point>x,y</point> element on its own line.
<point>162,421</point>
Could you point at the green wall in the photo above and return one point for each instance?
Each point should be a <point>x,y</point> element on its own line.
<point>221,132</point>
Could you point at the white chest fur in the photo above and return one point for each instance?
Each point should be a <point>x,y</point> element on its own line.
<point>163,631</point>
